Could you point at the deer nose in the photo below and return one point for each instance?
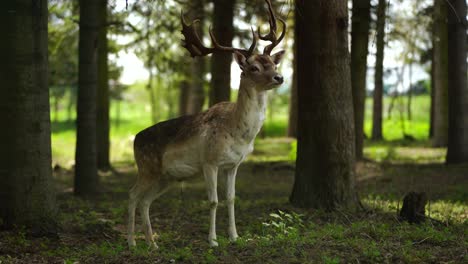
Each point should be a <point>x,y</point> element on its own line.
<point>278,79</point>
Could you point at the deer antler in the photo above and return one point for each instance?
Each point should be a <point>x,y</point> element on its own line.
<point>271,36</point>
<point>195,46</point>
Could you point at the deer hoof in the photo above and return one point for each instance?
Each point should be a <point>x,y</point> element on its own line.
<point>131,243</point>
<point>213,243</point>
<point>233,238</point>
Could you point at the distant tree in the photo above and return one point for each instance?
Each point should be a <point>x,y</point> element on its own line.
<point>197,78</point>
<point>63,58</point>
<point>292,120</point>
<point>440,77</point>
<point>86,177</point>
<point>378,77</point>
<point>26,190</point>
<point>223,29</point>
<point>359,50</point>
<point>457,151</point>
<point>103,98</point>
<point>184,87</point>
<point>325,147</point>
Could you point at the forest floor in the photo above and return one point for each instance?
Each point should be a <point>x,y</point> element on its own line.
<point>271,230</point>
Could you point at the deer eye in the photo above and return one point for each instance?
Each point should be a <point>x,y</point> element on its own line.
<point>254,69</point>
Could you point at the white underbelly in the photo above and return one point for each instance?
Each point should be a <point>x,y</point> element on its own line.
<point>181,163</point>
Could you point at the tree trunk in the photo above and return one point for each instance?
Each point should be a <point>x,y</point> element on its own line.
<point>410,91</point>
<point>457,151</point>
<point>292,124</point>
<point>103,125</point>
<point>223,28</point>
<point>440,65</point>
<point>359,50</point>
<point>431,121</point>
<point>378,77</point>
<point>86,177</point>
<point>325,148</point>
<point>56,108</point>
<point>27,195</point>
<point>197,67</point>
<point>152,93</point>
<point>184,87</point>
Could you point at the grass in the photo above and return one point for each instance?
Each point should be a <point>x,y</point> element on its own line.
<point>271,229</point>
<point>135,116</point>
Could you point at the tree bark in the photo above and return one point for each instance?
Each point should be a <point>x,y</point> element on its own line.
<point>223,29</point>
<point>440,64</point>
<point>378,77</point>
<point>197,67</point>
<point>27,196</point>
<point>325,148</point>
<point>103,124</point>
<point>431,121</point>
<point>86,177</point>
<point>457,151</point>
<point>359,50</point>
<point>184,87</point>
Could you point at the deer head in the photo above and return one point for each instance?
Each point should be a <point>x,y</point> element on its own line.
<point>258,68</point>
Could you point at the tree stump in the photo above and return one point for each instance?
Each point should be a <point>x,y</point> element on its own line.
<point>413,209</point>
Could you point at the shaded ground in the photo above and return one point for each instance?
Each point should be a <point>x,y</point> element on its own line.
<point>271,230</point>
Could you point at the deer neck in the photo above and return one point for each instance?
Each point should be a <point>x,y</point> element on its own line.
<point>249,112</point>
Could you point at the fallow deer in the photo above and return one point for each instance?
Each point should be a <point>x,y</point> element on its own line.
<point>210,143</point>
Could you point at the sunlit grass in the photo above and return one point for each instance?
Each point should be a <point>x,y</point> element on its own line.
<point>133,114</point>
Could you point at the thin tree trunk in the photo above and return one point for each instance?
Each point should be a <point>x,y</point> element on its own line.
<point>431,121</point>
<point>325,149</point>
<point>378,79</point>
<point>117,115</point>
<point>292,124</point>
<point>223,28</point>
<point>457,151</point>
<point>70,104</point>
<point>86,177</point>
<point>103,125</point>
<point>27,196</point>
<point>359,50</point>
<point>197,67</point>
<point>440,65</point>
<point>56,108</point>
<point>184,87</point>
<point>410,91</point>
<point>152,95</point>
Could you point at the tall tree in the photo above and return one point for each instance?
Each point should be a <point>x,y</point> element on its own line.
<point>359,49</point>
<point>26,192</point>
<point>223,28</point>
<point>457,151</point>
<point>103,124</point>
<point>325,147</point>
<point>292,120</point>
<point>86,177</point>
<point>440,75</point>
<point>197,92</point>
<point>378,77</point>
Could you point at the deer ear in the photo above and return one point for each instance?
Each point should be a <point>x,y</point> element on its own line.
<point>240,59</point>
<point>278,56</point>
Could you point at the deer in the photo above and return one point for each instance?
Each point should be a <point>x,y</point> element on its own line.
<point>211,143</point>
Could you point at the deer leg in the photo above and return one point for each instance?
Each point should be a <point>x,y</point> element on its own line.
<point>150,195</point>
<point>230,198</point>
<point>135,195</point>
<point>211,178</point>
